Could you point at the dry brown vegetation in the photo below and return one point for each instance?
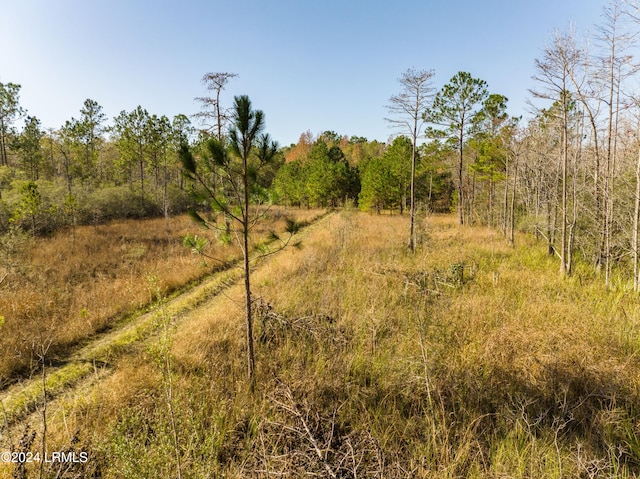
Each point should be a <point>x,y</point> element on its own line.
<point>468,358</point>
<point>59,291</point>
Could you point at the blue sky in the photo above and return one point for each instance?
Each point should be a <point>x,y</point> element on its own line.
<point>308,64</point>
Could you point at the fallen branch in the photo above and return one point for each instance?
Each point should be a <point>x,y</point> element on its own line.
<point>551,244</point>
<point>292,409</point>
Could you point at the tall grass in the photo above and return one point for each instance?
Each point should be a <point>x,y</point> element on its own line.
<point>68,287</point>
<point>468,358</point>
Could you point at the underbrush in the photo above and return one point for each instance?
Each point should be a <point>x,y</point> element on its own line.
<point>466,359</point>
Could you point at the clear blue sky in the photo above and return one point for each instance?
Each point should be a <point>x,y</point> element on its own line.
<point>308,64</point>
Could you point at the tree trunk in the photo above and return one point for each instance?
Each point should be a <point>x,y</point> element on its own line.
<point>247,273</point>
<point>550,229</point>
<point>412,212</point>
<point>565,159</point>
<point>4,161</point>
<point>460,186</point>
<point>636,221</point>
<point>141,184</point>
<point>513,202</point>
<point>490,209</point>
<point>430,190</point>
<point>472,199</point>
<point>506,195</point>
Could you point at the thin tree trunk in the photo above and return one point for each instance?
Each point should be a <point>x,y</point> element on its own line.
<point>574,196</point>
<point>607,186</point>
<point>513,201</point>
<point>472,198</point>
<point>430,190</point>
<point>636,221</point>
<point>247,272</point>
<point>506,195</point>
<point>460,186</point>
<point>565,159</point>
<point>490,212</point>
<point>596,179</point>
<point>4,161</point>
<point>612,178</point>
<point>412,212</point>
<point>141,164</point>
<point>165,201</point>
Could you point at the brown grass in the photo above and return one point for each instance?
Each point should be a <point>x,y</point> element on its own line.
<point>373,362</point>
<point>65,289</point>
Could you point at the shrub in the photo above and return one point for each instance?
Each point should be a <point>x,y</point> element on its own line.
<point>119,202</point>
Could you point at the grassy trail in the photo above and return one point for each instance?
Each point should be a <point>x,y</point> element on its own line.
<point>469,358</point>
<point>93,361</point>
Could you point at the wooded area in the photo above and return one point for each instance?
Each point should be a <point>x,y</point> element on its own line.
<point>570,174</point>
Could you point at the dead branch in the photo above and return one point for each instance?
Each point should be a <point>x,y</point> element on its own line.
<point>292,409</point>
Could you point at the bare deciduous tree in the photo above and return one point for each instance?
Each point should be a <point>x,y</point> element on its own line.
<point>210,106</point>
<point>614,66</point>
<point>554,71</point>
<point>407,110</point>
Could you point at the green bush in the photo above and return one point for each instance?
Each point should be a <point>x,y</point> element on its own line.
<point>179,200</point>
<point>33,206</point>
<point>119,202</point>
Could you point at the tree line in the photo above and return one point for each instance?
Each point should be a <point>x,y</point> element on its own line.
<point>86,170</point>
<point>92,170</point>
<point>570,174</point>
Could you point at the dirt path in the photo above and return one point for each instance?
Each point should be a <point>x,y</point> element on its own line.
<point>94,362</point>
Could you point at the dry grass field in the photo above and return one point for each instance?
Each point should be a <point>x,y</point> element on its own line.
<point>468,358</point>
<point>60,291</point>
